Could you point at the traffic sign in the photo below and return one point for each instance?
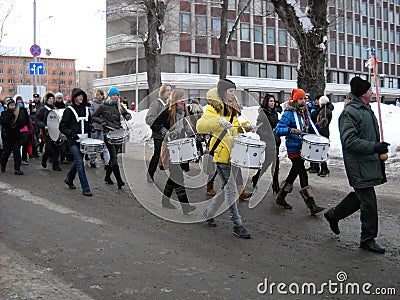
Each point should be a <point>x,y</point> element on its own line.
<point>35,50</point>
<point>36,68</point>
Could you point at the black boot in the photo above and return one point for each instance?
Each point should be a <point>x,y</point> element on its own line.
<point>166,202</point>
<point>314,168</point>
<point>117,175</point>
<point>324,170</point>
<point>107,179</point>
<point>284,190</point>
<point>349,205</point>
<point>308,195</point>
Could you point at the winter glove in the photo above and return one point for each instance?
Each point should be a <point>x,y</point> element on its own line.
<point>224,123</point>
<point>127,116</point>
<point>295,131</point>
<point>323,122</point>
<point>91,128</point>
<point>163,131</point>
<point>198,138</point>
<point>75,137</point>
<point>248,127</point>
<point>104,124</point>
<point>381,147</point>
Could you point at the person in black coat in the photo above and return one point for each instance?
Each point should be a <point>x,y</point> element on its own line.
<point>266,122</point>
<point>75,125</point>
<point>325,112</point>
<point>11,125</point>
<point>25,124</point>
<point>51,149</point>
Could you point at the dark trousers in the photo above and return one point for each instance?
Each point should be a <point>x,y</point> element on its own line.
<point>51,150</point>
<point>365,201</point>
<point>155,158</point>
<point>11,145</point>
<point>25,144</point>
<point>175,182</point>
<point>297,169</point>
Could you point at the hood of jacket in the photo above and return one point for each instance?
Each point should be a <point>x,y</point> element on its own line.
<point>75,93</point>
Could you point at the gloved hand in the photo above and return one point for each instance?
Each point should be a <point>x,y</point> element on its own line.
<point>91,128</point>
<point>295,131</point>
<point>323,122</point>
<point>381,147</point>
<point>163,131</point>
<point>104,124</point>
<point>199,138</point>
<point>128,116</point>
<point>75,137</point>
<point>224,123</point>
<point>248,127</point>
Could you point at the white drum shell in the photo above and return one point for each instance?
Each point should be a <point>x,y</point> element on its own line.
<point>90,146</point>
<point>118,137</point>
<point>247,153</point>
<point>315,148</point>
<point>53,122</point>
<point>182,150</point>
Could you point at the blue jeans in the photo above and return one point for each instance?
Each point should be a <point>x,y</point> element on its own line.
<point>228,174</point>
<point>77,166</point>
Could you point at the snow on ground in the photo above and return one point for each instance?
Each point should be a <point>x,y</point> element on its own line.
<point>141,132</point>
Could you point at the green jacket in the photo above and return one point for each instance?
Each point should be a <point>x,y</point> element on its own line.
<point>359,131</point>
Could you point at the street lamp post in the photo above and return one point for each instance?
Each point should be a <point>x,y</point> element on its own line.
<point>137,61</point>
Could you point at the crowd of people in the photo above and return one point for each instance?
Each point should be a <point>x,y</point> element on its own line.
<point>25,133</point>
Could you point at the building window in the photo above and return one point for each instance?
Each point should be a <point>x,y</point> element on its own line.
<point>230,26</point>
<point>364,9</point>
<point>20,81</point>
<point>21,72</point>
<point>341,25</point>
<point>181,64</point>
<point>258,33</point>
<point>379,33</point>
<point>371,11</point>
<point>70,73</point>
<point>372,31</point>
<point>332,46</point>
<point>365,52</point>
<point>206,66</point>
<point>350,26</point>
<point>1,80</point>
<point>62,73</point>
<point>62,64</point>
<point>53,73</point>
<point>386,56</point>
<point>194,65</point>
<point>201,25</point>
<point>358,50</point>
<point>252,70</point>
<point>1,61</point>
<point>245,31</point>
<point>263,71</point>
<point>11,71</point>
<point>11,81</point>
<point>379,14</point>
<point>386,35</point>
<point>272,71</point>
<point>10,62</point>
<point>1,71</point>
<point>282,38</point>
<point>341,47</point>
<point>357,6</point>
<point>270,36</point>
<point>62,82</point>
<point>184,22</point>
<point>365,30</point>
<point>385,14</point>
<point>357,28</point>
<point>292,43</point>
<point>216,26</point>
<point>349,49</point>
<point>54,64</point>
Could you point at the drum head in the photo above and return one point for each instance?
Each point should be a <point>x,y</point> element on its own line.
<point>249,141</point>
<point>316,139</point>
<point>53,121</point>
<point>90,141</point>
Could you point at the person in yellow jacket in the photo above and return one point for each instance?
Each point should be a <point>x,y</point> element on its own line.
<point>213,120</point>
<point>230,115</point>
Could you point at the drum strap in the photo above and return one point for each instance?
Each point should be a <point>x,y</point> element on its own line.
<point>298,125</point>
<point>81,119</point>
<point>48,108</point>
<point>220,138</point>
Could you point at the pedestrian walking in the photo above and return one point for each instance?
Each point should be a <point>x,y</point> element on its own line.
<point>294,122</point>
<point>361,146</point>
<point>74,125</point>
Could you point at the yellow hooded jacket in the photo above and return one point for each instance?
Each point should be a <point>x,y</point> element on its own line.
<point>209,122</point>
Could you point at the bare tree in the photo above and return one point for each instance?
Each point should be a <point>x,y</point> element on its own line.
<point>5,11</point>
<point>308,26</point>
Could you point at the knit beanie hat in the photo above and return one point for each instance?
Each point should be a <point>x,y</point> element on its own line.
<point>359,86</point>
<point>113,91</point>
<point>224,85</point>
<point>323,100</point>
<point>59,95</point>
<point>297,94</point>
<point>9,101</point>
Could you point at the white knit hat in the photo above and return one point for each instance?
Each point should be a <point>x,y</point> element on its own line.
<point>323,100</point>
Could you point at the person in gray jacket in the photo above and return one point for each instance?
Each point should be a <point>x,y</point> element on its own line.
<point>98,130</point>
<point>158,132</point>
<point>361,145</point>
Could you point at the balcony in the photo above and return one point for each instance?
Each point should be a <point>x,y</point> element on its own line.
<point>121,41</point>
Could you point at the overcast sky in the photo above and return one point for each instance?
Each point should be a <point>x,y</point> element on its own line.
<point>76,30</point>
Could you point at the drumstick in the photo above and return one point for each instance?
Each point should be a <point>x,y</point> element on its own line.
<point>111,128</point>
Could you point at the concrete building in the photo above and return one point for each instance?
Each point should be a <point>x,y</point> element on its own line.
<point>262,55</point>
<point>85,78</point>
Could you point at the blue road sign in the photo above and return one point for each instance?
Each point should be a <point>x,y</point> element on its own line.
<point>35,50</point>
<point>36,68</point>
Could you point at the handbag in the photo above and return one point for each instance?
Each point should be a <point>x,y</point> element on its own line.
<point>207,162</point>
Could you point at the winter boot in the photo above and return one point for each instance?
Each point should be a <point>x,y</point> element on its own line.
<point>314,168</point>
<point>308,195</point>
<point>285,189</point>
<point>107,179</point>
<point>166,202</point>
<point>117,175</point>
<point>210,189</point>
<point>243,195</point>
<point>324,170</point>
<point>254,179</point>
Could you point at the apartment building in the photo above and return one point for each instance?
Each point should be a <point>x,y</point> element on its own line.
<point>59,74</point>
<point>263,57</point>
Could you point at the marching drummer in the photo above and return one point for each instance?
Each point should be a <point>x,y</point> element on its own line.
<point>294,122</point>
<point>109,115</point>
<point>51,149</point>
<point>75,126</point>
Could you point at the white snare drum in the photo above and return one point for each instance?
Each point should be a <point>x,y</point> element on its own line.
<point>53,122</point>
<point>315,148</point>
<point>247,152</point>
<point>91,146</point>
<point>118,137</point>
<point>182,150</point>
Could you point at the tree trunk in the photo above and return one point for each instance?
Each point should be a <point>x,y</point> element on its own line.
<point>223,45</point>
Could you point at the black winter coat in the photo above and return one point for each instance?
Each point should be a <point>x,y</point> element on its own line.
<point>110,114</point>
<point>325,112</point>
<point>10,129</point>
<point>70,127</point>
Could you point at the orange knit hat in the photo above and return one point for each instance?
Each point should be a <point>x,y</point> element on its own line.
<point>297,94</point>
